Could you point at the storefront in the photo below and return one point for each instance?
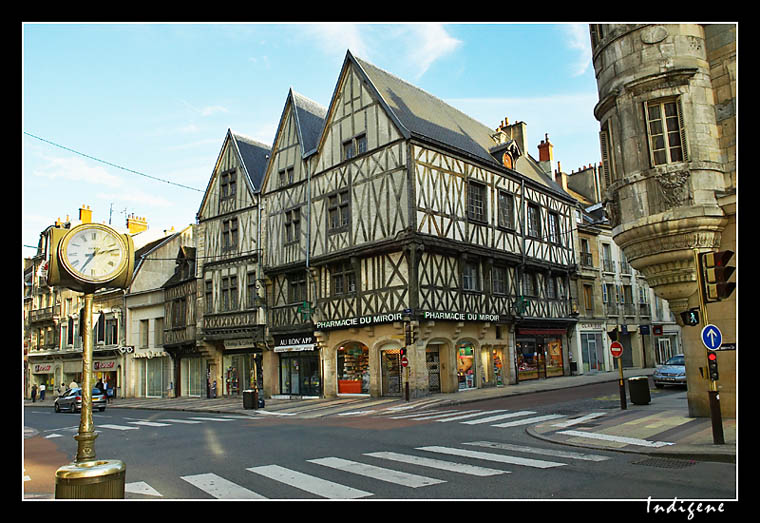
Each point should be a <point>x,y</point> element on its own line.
<point>300,371</point>
<point>539,353</point>
<point>353,368</point>
<point>466,365</point>
<point>592,351</point>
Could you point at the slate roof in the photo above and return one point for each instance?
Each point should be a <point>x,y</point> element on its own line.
<point>310,119</point>
<point>255,156</point>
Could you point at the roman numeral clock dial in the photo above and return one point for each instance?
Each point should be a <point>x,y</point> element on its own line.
<point>94,253</point>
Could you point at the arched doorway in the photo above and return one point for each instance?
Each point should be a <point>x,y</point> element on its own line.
<point>391,379</point>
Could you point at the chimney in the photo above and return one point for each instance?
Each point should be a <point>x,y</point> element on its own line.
<point>85,214</point>
<point>136,224</point>
<point>545,150</point>
<point>560,177</point>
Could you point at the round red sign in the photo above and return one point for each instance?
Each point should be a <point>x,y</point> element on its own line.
<point>404,361</point>
<point>616,349</point>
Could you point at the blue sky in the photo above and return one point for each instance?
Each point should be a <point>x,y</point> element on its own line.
<point>158,99</point>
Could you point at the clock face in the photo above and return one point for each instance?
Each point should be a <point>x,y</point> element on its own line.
<point>93,253</point>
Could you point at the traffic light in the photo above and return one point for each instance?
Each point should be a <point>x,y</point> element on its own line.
<point>690,317</point>
<point>403,351</point>
<point>408,333</point>
<point>715,273</point>
<point>712,365</point>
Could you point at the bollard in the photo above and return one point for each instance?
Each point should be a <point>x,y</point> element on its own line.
<point>95,479</point>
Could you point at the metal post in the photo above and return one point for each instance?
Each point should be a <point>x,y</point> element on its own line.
<point>86,436</point>
<point>623,403</point>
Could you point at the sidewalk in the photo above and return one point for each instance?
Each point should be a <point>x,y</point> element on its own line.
<point>660,429</point>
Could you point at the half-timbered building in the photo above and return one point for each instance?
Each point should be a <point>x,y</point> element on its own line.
<point>412,217</point>
<point>231,325</point>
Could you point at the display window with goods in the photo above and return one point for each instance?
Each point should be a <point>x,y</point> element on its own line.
<point>353,368</point>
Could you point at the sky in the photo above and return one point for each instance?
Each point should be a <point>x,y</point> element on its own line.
<point>130,118</point>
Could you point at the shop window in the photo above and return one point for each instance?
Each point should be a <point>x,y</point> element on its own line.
<point>353,369</point>
<point>466,366</point>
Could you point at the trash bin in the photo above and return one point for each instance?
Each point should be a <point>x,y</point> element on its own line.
<point>250,399</point>
<point>639,388</point>
<point>97,479</point>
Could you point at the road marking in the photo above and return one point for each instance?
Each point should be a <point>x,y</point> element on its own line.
<point>148,423</point>
<point>220,488</point>
<point>140,487</point>
<point>275,413</point>
<point>188,421</point>
<point>466,416</point>
<point>447,414</point>
<point>117,427</point>
<point>355,413</point>
<point>618,439</point>
<point>528,421</point>
<point>535,450</point>
<point>391,476</point>
<point>462,468</point>
<point>576,421</point>
<point>501,458</point>
<point>307,483</point>
<point>500,416</point>
<point>421,414</point>
<point>210,419</point>
<point>54,436</point>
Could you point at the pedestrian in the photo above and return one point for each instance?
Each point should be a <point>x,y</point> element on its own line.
<point>34,393</point>
<point>99,385</point>
<point>42,392</point>
<point>61,389</point>
<point>73,384</point>
<point>109,394</point>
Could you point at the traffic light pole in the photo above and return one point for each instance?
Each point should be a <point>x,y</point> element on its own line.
<point>712,393</point>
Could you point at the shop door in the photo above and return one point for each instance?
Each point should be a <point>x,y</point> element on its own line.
<point>432,359</point>
<point>390,363</point>
<point>310,377</point>
<point>541,359</point>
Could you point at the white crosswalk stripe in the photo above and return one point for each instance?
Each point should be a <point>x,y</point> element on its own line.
<point>312,484</point>
<point>499,417</point>
<point>210,419</point>
<point>220,488</point>
<point>447,414</point>
<point>616,439</point>
<point>501,458</point>
<point>117,427</point>
<point>467,416</point>
<point>528,421</point>
<point>535,450</point>
<point>186,421</point>
<point>392,476</point>
<point>461,468</point>
<point>417,414</point>
<point>149,423</point>
<point>576,421</point>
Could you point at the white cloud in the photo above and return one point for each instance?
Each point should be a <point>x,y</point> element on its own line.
<point>428,43</point>
<point>336,38</point>
<point>578,40</point>
<point>76,169</point>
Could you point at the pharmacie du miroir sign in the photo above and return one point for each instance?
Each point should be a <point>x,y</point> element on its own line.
<point>398,316</point>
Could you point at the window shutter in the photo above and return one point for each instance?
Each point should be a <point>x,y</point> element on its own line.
<point>684,149</point>
<point>604,143</point>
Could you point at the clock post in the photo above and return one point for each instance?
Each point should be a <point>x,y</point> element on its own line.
<point>108,257</point>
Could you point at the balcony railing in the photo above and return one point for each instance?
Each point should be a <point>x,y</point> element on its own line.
<point>45,314</point>
<point>608,265</point>
<point>587,260</point>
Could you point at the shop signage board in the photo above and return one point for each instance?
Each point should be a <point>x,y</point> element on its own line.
<point>616,349</point>
<point>399,316</point>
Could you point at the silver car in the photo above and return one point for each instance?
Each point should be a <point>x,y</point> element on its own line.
<point>71,400</point>
<point>673,372</point>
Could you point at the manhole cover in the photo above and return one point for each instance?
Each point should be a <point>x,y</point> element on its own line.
<point>665,463</point>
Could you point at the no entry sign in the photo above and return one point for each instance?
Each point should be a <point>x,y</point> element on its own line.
<point>616,349</point>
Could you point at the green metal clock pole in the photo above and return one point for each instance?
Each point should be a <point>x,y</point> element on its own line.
<point>86,436</point>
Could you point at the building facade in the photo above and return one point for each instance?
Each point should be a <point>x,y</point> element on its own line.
<point>407,214</point>
<point>667,111</point>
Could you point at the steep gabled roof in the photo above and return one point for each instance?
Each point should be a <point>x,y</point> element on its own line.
<point>310,120</point>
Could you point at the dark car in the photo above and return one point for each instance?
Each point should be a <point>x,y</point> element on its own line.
<point>673,372</point>
<point>71,400</point>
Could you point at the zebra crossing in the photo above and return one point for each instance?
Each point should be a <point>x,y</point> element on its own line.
<point>135,424</point>
<point>432,465</point>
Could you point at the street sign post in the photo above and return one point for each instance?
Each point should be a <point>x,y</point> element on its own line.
<point>616,349</point>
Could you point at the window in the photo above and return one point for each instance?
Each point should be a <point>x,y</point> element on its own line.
<point>229,234</point>
<point>506,210</point>
<point>229,293</point>
<point>209,296</point>
<point>499,280</point>
<point>178,312</point>
<point>354,146</point>
<point>534,221</point>
<point>666,133</point>
<point>228,184</point>
<point>292,225</point>
<point>554,228</point>
<point>297,288</point>
<point>338,207</point>
<point>251,289</point>
<point>476,201</point>
<point>471,276</point>
<point>588,297</point>
<point>343,278</point>
<point>551,289</point>
<point>529,284</point>
<point>286,176</point>
<point>112,331</point>
<point>144,333</point>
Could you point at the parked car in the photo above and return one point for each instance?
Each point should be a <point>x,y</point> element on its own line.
<point>71,400</point>
<point>673,372</point>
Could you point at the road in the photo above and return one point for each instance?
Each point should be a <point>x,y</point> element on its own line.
<point>473,451</point>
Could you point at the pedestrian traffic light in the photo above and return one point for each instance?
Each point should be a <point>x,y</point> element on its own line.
<point>714,275</point>
<point>712,365</point>
<point>690,317</point>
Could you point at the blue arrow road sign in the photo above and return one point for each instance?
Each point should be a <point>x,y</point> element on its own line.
<point>711,336</point>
